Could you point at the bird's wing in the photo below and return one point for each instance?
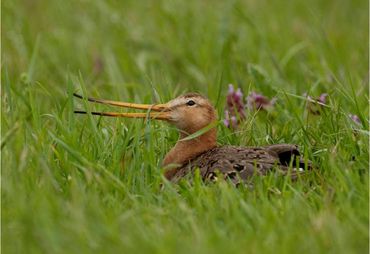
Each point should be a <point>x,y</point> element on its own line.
<point>239,163</point>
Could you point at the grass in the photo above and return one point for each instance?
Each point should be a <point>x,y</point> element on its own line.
<point>75,184</point>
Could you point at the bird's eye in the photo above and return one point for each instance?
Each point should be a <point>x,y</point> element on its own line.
<point>190,103</point>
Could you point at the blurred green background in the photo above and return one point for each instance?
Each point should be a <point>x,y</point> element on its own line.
<point>183,45</point>
<point>73,184</point>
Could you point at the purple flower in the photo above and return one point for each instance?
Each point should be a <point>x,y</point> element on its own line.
<point>322,98</point>
<point>257,101</point>
<point>230,121</point>
<point>315,105</point>
<point>234,111</point>
<point>355,119</point>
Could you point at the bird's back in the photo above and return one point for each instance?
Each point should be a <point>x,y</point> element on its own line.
<point>241,163</point>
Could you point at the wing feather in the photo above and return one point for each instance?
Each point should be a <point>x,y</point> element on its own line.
<point>240,163</point>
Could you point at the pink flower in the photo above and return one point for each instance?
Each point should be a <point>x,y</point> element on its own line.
<point>234,111</point>
<point>355,119</point>
<point>230,121</point>
<point>322,98</point>
<point>257,101</point>
<point>315,105</point>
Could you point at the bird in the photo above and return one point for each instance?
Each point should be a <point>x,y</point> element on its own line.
<point>196,149</point>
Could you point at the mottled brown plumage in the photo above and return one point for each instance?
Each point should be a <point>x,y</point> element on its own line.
<point>236,163</point>
<point>193,112</point>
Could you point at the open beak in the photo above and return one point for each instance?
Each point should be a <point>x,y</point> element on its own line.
<point>161,111</point>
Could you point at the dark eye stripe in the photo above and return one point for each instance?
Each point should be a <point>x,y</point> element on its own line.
<point>190,103</point>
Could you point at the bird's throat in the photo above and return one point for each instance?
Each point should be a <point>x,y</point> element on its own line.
<point>186,150</point>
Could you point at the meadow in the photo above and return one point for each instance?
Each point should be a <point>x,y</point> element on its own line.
<point>85,184</point>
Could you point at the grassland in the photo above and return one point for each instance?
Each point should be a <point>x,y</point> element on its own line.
<point>73,184</point>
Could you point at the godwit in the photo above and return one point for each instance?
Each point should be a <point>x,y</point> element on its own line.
<point>192,113</point>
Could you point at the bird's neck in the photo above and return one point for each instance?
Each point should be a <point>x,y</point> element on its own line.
<point>185,150</point>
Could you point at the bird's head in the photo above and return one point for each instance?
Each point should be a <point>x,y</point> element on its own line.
<point>189,112</point>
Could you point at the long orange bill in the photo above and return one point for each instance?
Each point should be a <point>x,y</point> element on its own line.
<point>152,115</point>
<point>153,107</point>
<point>161,114</point>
